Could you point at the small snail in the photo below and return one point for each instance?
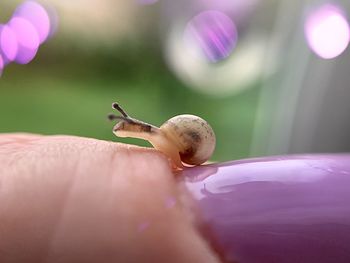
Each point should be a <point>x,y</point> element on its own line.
<point>184,138</point>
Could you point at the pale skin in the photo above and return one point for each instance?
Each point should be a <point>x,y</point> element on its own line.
<point>72,199</point>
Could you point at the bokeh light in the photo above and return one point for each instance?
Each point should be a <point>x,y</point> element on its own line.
<point>327,31</point>
<point>37,16</point>
<point>27,39</point>
<point>237,73</point>
<point>212,35</point>
<point>30,25</point>
<point>239,9</point>
<point>8,44</point>
<point>1,64</point>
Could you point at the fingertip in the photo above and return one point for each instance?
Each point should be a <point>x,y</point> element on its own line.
<point>19,136</point>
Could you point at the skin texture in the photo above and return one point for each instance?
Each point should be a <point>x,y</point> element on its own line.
<point>71,199</point>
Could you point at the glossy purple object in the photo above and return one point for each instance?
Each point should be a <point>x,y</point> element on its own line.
<point>277,209</point>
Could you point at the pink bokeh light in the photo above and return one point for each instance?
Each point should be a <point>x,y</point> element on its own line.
<point>327,31</point>
<point>27,39</point>
<point>20,38</point>
<point>37,16</point>
<point>8,44</point>
<point>213,34</point>
<point>1,64</point>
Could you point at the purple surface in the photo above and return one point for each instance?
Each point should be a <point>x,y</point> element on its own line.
<point>277,209</point>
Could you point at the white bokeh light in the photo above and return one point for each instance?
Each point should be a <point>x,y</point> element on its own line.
<point>327,31</point>
<point>238,72</point>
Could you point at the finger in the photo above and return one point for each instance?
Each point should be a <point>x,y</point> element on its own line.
<point>73,199</point>
<point>13,138</point>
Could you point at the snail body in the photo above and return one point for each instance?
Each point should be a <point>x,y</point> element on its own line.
<point>184,138</point>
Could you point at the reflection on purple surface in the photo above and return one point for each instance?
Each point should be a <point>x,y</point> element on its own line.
<point>27,39</point>
<point>279,209</point>
<point>213,34</point>
<point>8,44</point>
<point>37,16</point>
<point>327,31</point>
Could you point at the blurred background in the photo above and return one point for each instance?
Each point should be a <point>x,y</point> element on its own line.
<point>271,77</point>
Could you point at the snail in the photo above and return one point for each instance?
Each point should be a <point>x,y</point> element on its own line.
<point>184,138</point>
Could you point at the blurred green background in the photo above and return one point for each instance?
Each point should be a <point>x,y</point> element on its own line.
<point>106,51</point>
<point>72,94</point>
<point>70,85</point>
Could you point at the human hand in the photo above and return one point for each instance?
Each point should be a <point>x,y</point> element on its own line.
<point>71,199</point>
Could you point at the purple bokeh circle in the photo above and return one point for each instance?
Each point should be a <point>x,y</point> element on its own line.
<point>27,39</point>
<point>1,64</point>
<point>213,34</point>
<point>8,44</point>
<point>37,16</point>
<point>327,31</point>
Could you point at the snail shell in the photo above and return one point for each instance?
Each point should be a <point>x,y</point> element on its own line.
<point>193,136</point>
<point>184,138</point>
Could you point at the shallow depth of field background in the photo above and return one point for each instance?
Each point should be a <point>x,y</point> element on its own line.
<point>274,93</point>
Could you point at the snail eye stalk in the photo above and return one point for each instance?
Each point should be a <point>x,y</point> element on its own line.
<point>118,108</point>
